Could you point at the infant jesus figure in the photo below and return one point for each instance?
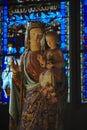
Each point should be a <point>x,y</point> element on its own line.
<point>52,60</point>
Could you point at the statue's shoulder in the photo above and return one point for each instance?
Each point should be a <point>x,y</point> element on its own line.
<point>22,57</point>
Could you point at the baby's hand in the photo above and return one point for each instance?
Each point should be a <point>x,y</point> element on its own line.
<point>50,65</point>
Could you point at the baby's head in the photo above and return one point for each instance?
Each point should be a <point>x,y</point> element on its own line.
<point>51,39</point>
<point>52,34</point>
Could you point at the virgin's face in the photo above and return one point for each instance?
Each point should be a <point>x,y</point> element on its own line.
<point>36,35</point>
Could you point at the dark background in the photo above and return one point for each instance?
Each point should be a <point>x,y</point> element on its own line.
<point>76,113</point>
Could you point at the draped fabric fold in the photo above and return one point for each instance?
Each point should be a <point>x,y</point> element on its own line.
<point>36,112</point>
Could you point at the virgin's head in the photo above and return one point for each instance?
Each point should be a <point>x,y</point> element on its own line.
<point>34,34</point>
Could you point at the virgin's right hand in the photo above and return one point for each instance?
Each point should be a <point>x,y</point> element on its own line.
<point>14,65</point>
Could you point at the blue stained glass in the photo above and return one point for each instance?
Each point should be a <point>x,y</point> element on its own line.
<point>5,12</point>
<point>63,26</point>
<point>63,46</point>
<point>5,30</point>
<point>32,16</point>
<point>65,56</point>
<point>85,71</point>
<point>85,29</point>
<point>26,17</point>
<point>85,42</point>
<point>65,70</point>
<point>86,94</point>
<point>5,48</point>
<point>4,64</point>
<point>5,25</point>
<point>85,89</point>
<point>63,31</point>
<point>5,99</point>
<point>85,2</point>
<point>10,50</point>
<point>85,59</point>
<point>85,79</point>
<point>21,50</point>
<point>63,5</point>
<point>85,35</point>
<point>58,20</point>
<point>43,15</point>
<point>14,39</point>
<point>5,41</point>
<point>63,38</point>
<point>14,50</point>
<point>85,8</point>
<point>63,12</point>
<point>63,22</point>
<point>85,76</point>
<point>85,45</point>
<point>51,14</point>
<point>5,7</point>
<point>85,62</point>
<point>5,1</point>
<point>58,14</point>
<point>4,35</point>
<point>5,17</point>
<point>85,54</point>
<point>85,17</point>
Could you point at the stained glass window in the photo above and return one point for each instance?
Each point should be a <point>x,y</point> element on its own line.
<point>83,47</point>
<point>13,21</point>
